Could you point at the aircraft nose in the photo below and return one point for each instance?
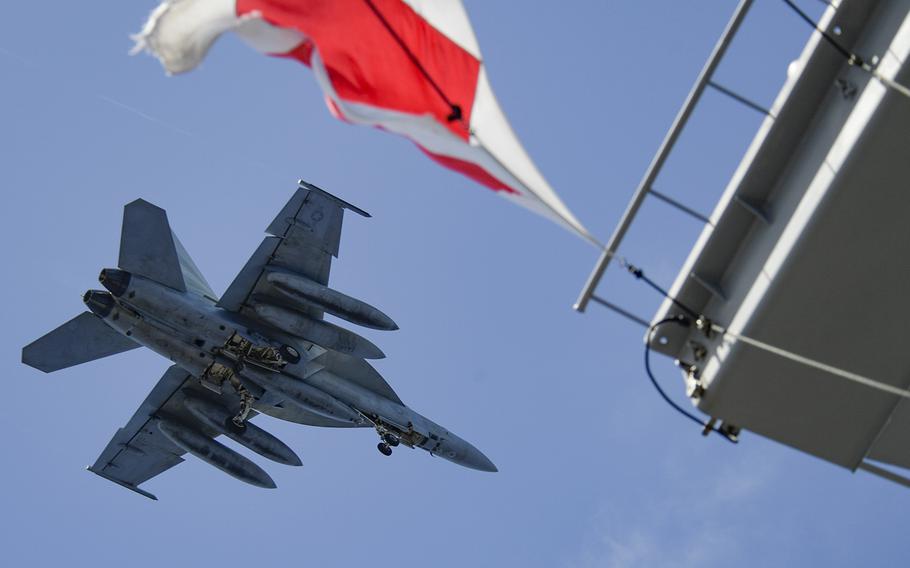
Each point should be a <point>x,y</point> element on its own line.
<point>476,460</point>
<point>115,280</point>
<point>471,457</point>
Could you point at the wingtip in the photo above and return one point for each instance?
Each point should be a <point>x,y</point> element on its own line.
<point>133,488</point>
<point>303,184</point>
<point>26,360</point>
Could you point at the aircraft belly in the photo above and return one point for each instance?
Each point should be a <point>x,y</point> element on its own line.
<point>298,415</point>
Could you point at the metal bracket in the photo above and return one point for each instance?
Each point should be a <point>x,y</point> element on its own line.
<point>624,313</point>
<point>740,99</point>
<point>884,473</point>
<point>756,210</point>
<point>687,210</point>
<point>711,287</point>
<point>847,89</point>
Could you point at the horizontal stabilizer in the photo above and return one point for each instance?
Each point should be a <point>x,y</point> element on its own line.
<point>82,339</point>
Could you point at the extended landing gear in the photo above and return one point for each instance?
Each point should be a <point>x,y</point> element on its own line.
<point>234,426</point>
<point>214,378</point>
<point>388,442</point>
<point>391,436</point>
<point>237,424</point>
<point>266,357</point>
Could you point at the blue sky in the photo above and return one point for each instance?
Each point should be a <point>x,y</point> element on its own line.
<point>594,469</point>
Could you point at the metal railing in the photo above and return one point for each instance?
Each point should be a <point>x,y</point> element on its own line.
<point>645,187</point>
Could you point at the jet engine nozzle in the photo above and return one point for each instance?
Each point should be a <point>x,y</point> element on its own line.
<point>115,280</point>
<point>99,302</point>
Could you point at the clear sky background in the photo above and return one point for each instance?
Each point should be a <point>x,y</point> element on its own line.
<point>594,469</point>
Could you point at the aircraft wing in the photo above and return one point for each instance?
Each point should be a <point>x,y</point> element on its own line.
<point>304,237</point>
<point>138,451</point>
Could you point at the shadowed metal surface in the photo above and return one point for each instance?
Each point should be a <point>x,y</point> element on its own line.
<point>822,274</point>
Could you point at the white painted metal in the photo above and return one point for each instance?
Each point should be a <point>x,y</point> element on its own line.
<point>828,277</point>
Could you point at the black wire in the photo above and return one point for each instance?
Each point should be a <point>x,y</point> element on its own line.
<point>456,113</point>
<point>683,321</point>
<point>851,58</point>
<point>639,274</point>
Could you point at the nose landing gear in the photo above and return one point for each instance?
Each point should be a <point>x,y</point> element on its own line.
<point>390,438</point>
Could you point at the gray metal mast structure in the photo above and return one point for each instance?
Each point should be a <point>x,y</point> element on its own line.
<point>798,280</point>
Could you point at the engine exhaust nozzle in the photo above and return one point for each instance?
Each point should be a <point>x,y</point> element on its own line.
<point>115,280</point>
<point>99,302</point>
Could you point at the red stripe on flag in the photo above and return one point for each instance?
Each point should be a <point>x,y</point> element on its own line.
<point>471,170</point>
<point>302,53</point>
<point>365,63</point>
<point>335,111</point>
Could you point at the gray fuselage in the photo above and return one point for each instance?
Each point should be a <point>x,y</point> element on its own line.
<point>193,332</point>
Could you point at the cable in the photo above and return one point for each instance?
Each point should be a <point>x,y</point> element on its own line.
<point>683,321</point>
<point>795,357</point>
<point>455,110</point>
<point>852,58</point>
<point>639,274</point>
<point>865,381</point>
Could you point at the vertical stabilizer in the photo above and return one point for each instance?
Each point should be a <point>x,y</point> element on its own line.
<point>150,249</point>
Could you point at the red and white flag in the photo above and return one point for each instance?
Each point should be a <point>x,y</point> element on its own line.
<point>412,67</point>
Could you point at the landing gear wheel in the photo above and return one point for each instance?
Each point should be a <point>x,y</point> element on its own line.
<point>390,440</point>
<point>290,354</point>
<point>234,426</point>
<point>384,449</point>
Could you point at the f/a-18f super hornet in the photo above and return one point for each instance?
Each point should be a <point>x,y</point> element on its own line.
<point>263,347</point>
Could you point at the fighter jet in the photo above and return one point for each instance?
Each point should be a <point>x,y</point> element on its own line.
<point>263,347</point>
